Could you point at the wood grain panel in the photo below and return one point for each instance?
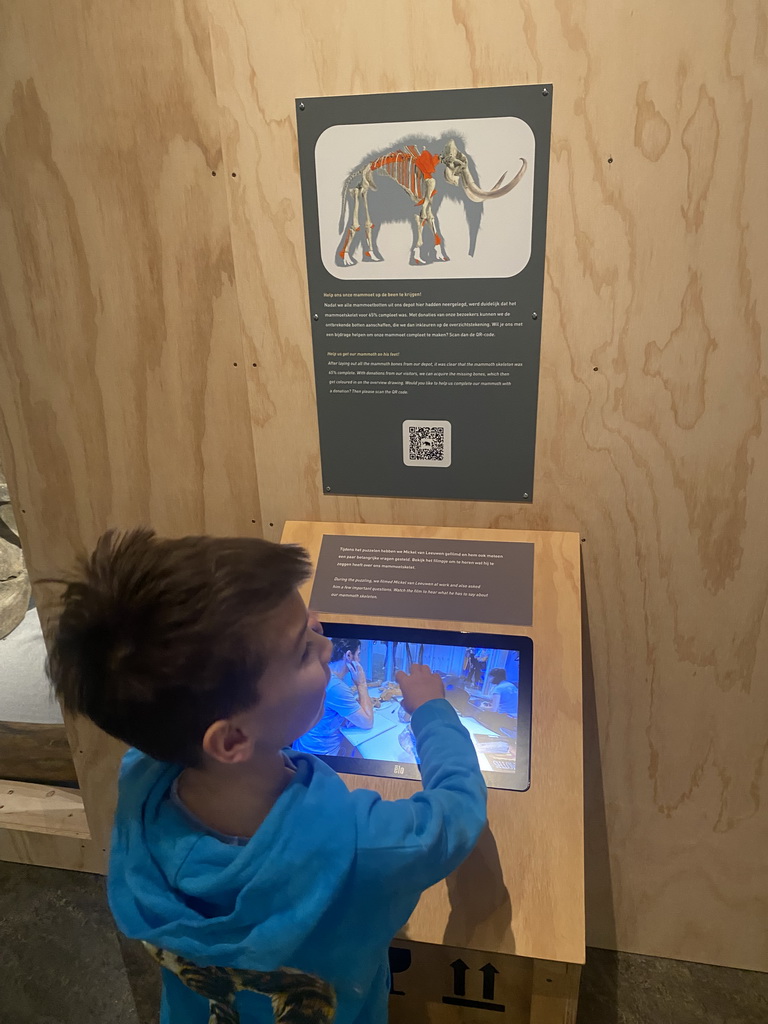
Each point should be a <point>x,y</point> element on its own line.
<point>50,851</point>
<point>44,809</point>
<point>35,753</point>
<point>119,400</point>
<point>522,890</point>
<point>47,826</point>
<point>652,398</point>
<point>123,395</point>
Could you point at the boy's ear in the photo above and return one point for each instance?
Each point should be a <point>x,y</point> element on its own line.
<point>225,742</point>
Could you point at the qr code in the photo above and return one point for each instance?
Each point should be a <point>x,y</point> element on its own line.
<point>427,443</point>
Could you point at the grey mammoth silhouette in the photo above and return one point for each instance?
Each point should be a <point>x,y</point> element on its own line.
<point>413,167</point>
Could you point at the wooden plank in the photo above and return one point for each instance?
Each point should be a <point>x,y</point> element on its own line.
<point>47,826</point>
<point>35,753</point>
<point>522,890</point>
<point>44,809</point>
<point>651,398</point>
<point>51,851</point>
<point>123,391</point>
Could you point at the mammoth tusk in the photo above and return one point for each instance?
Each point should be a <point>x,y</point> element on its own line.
<point>477,195</point>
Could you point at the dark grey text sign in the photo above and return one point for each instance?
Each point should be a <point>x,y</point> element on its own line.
<point>455,580</point>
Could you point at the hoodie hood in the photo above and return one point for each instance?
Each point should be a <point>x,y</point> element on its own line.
<point>248,906</point>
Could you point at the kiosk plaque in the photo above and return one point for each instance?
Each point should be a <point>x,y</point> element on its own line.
<point>511,919</point>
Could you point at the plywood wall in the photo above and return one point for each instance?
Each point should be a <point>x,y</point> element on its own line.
<point>123,393</point>
<point>133,281</point>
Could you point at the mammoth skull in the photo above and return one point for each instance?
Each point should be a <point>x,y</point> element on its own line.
<point>457,173</point>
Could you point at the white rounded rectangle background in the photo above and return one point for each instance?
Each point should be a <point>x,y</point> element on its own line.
<point>488,239</point>
<point>422,449</point>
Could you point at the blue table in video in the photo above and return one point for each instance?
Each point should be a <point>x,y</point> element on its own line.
<point>389,740</point>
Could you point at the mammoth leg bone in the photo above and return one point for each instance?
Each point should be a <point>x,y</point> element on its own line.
<point>353,228</point>
<point>430,218</point>
<point>369,226</point>
<point>423,216</point>
<point>416,251</point>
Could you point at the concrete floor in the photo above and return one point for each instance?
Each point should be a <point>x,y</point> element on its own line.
<point>61,963</point>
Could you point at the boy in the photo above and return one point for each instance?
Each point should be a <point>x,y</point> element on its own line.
<point>266,889</point>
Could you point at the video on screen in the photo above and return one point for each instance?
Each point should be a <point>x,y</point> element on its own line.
<point>480,683</point>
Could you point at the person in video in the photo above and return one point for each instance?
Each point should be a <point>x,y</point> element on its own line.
<point>503,693</point>
<point>479,663</point>
<point>346,701</point>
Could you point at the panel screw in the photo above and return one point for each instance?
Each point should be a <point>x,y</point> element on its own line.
<point>301,106</point>
<point>545,92</point>
<point>327,488</point>
<point>525,494</point>
<point>315,316</point>
<point>534,316</point>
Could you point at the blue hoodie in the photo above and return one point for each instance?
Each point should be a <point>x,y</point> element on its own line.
<point>322,887</point>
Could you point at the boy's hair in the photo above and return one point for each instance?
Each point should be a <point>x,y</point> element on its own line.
<point>157,639</point>
<point>342,647</point>
<point>497,675</point>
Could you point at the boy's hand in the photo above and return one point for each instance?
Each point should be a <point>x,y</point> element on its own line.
<point>419,686</point>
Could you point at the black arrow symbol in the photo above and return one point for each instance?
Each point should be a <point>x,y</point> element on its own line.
<point>399,962</point>
<point>489,973</point>
<point>459,975</point>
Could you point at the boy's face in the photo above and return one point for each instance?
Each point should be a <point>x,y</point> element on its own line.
<point>292,688</point>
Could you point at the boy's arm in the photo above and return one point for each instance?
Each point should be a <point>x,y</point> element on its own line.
<point>417,842</point>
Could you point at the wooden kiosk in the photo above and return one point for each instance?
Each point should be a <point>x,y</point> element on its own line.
<point>503,938</point>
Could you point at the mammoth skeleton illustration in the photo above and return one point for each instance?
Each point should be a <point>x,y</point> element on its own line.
<point>414,169</point>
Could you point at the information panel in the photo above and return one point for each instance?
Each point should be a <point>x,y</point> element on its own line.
<point>425,578</point>
<point>425,224</point>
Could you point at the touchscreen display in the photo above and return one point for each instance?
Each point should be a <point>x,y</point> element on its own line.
<point>487,679</point>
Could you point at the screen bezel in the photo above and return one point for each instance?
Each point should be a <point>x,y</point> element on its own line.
<point>519,780</point>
